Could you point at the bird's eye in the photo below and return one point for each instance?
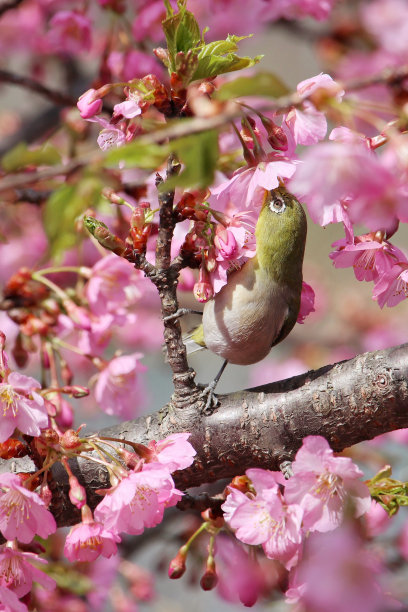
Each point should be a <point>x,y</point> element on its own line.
<point>277,205</point>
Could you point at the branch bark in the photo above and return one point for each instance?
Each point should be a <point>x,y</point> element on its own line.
<point>347,402</point>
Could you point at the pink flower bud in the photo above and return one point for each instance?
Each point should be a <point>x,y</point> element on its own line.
<point>209,579</point>
<point>77,494</point>
<point>225,242</point>
<point>70,439</point>
<point>89,104</point>
<point>177,565</point>
<point>276,136</point>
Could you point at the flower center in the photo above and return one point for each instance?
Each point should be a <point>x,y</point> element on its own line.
<point>8,399</point>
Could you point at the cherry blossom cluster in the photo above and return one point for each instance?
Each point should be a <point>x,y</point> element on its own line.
<point>141,487</point>
<point>74,315</point>
<point>297,522</point>
<point>367,187</point>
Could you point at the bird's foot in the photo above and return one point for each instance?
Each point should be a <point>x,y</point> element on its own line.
<point>180,313</point>
<point>286,469</point>
<point>212,401</point>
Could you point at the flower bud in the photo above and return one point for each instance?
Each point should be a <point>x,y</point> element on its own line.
<point>203,290</point>
<point>89,104</point>
<point>77,494</point>
<point>209,579</point>
<point>70,439</point>
<point>177,565</point>
<point>276,136</point>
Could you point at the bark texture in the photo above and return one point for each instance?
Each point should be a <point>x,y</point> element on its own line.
<point>347,402</point>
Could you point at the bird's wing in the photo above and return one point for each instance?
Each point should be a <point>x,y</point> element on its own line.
<point>194,340</point>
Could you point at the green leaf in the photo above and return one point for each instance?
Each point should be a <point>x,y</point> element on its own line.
<point>138,155</point>
<point>199,154</point>
<point>62,209</point>
<point>182,33</point>
<point>219,57</point>
<point>221,47</point>
<point>20,157</point>
<point>261,84</point>
<point>211,66</point>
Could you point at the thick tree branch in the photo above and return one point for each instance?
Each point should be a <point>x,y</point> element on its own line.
<point>347,402</point>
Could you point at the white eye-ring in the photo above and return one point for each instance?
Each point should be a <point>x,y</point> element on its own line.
<point>277,204</point>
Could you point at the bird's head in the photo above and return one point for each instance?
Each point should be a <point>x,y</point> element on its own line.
<point>281,235</point>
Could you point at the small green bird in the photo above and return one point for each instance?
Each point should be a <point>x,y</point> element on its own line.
<point>259,305</point>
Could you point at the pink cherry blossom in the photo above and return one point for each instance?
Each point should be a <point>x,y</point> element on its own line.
<point>308,125</point>
<point>294,9</point>
<point>22,406</point>
<point>70,32</point>
<point>18,574</point>
<point>377,519</point>
<point>240,577</point>
<point>22,512</point>
<point>118,389</point>
<point>86,541</point>
<point>369,255</point>
<point>138,501</point>
<point>307,299</point>
<point>133,65</point>
<point>233,246</point>
<point>387,21</point>
<point>10,602</point>
<point>334,172</point>
<point>338,574</point>
<point>246,187</point>
<point>392,286</point>
<point>110,136</point>
<point>112,285</point>
<point>265,518</point>
<point>322,484</point>
<point>103,573</point>
<point>129,108</point>
<point>148,23</point>
<point>97,338</point>
<point>89,104</point>
<point>174,452</point>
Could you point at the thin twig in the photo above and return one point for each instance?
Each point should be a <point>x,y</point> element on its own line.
<point>185,127</point>
<point>15,181</point>
<point>51,94</point>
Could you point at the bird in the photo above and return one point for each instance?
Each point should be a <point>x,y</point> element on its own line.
<point>259,305</point>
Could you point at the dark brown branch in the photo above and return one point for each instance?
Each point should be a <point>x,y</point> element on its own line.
<point>166,281</point>
<point>8,6</point>
<point>201,502</point>
<point>53,95</point>
<point>346,403</point>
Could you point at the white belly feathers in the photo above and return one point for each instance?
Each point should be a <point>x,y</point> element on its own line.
<point>244,319</point>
